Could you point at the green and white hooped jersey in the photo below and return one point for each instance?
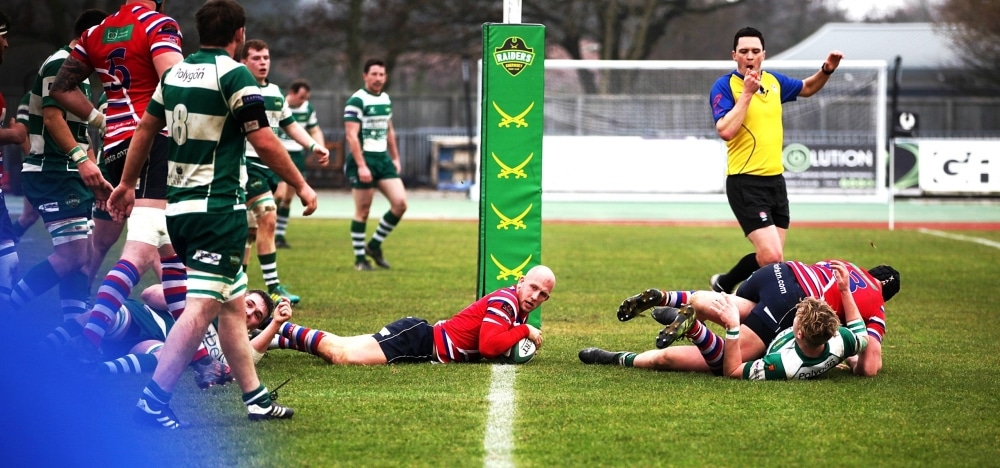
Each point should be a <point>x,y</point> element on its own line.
<point>278,113</point>
<point>199,99</point>
<point>45,154</point>
<point>785,361</point>
<point>305,115</point>
<point>374,113</point>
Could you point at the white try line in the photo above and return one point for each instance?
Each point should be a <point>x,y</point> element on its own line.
<point>499,438</point>
<point>947,235</point>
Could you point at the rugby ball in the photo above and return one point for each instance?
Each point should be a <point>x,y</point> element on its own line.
<point>522,352</point>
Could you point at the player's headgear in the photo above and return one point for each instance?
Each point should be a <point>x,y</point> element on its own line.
<point>889,278</point>
<point>4,24</point>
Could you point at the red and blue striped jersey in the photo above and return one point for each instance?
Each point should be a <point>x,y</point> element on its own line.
<point>121,49</point>
<point>817,280</point>
<point>485,329</point>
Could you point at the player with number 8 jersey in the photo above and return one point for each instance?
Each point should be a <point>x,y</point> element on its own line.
<point>197,99</point>
<point>213,106</point>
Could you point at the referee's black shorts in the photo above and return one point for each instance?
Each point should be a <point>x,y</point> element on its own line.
<point>758,201</point>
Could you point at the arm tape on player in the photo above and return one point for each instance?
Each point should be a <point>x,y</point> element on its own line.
<point>856,326</point>
<point>862,341</point>
<point>257,356</point>
<point>252,114</point>
<point>77,155</point>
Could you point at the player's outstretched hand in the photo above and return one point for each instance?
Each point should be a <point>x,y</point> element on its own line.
<point>308,197</point>
<point>322,155</point>
<point>20,131</point>
<point>93,179</point>
<point>841,275</point>
<point>730,313</point>
<point>282,311</point>
<point>120,203</point>
<point>535,335</point>
<point>833,59</point>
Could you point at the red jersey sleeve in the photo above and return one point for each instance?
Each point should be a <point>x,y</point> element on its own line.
<point>121,49</point>
<point>866,295</point>
<point>500,329</point>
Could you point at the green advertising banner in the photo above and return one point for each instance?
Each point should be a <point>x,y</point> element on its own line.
<point>510,177</point>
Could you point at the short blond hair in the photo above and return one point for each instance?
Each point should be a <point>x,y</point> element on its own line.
<point>817,320</point>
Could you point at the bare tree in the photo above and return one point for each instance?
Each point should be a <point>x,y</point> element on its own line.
<point>710,37</point>
<point>624,29</point>
<point>50,22</point>
<point>412,35</point>
<point>423,41</point>
<point>976,34</point>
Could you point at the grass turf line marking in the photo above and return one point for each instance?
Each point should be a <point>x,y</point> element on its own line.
<point>977,240</point>
<point>499,438</point>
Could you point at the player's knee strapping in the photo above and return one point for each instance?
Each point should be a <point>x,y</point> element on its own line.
<point>68,230</point>
<point>261,207</point>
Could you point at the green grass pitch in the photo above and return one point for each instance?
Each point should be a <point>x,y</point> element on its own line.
<point>935,403</point>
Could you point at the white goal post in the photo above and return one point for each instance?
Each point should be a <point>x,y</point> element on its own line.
<point>642,131</point>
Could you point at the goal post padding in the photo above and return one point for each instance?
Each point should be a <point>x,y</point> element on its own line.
<point>510,156</point>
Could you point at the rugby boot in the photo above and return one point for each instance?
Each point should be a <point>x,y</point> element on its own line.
<point>635,305</point>
<point>677,321</point>
<point>597,356</point>
<point>283,292</point>
<point>376,254</point>
<point>274,411</point>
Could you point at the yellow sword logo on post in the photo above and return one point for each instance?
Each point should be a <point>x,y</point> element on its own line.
<point>507,272</point>
<point>518,120</point>
<point>506,171</point>
<point>516,221</point>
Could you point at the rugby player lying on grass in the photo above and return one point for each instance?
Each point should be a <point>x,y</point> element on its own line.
<point>767,302</point>
<point>485,329</point>
<point>139,329</point>
<point>814,344</point>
